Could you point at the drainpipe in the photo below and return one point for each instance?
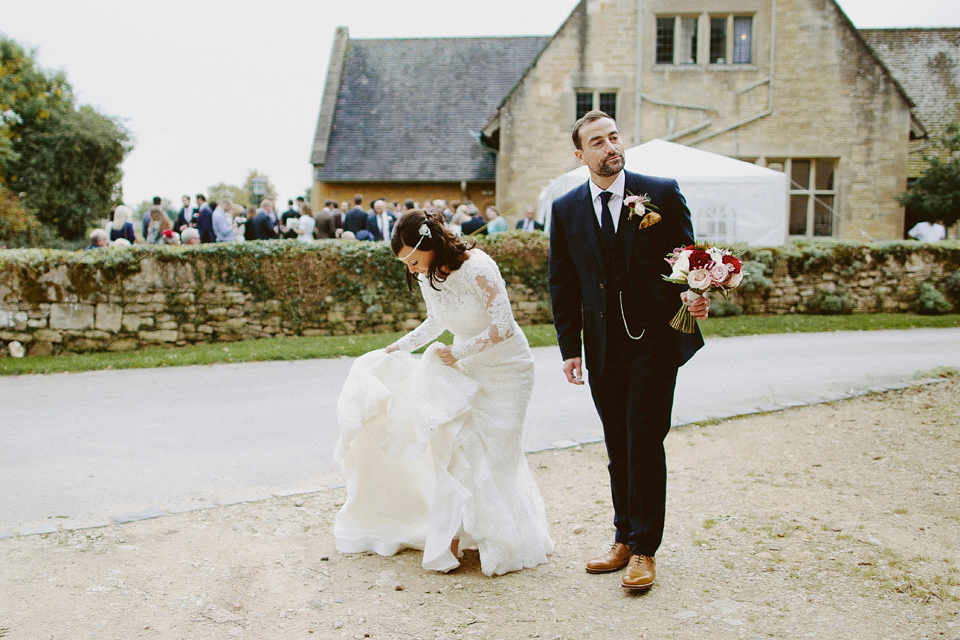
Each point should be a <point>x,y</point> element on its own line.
<point>638,81</point>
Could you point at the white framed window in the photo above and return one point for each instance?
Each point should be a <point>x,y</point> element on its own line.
<point>677,39</point>
<point>588,100</point>
<point>731,39</point>
<point>813,195</point>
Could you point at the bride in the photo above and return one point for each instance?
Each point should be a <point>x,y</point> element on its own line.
<point>430,446</point>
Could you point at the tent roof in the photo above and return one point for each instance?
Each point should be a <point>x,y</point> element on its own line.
<point>671,160</point>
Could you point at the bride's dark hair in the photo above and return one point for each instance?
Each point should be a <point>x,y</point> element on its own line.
<point>449,251</point>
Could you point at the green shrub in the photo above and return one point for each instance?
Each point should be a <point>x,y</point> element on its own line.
<point>831,304</point>
<point>930,302</point>
<point>721,307</point>
<point>951,287</point>
<point>755,277</point>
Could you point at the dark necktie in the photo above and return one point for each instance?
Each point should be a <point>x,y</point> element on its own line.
<point>606,220</point>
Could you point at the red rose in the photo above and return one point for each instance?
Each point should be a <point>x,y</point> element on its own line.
<point>733,262</point>
<point>699,259</point>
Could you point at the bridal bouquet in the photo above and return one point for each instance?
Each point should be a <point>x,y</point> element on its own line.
<point>703,268</point>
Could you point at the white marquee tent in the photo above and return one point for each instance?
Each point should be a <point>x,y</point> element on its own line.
<point>730,201</point>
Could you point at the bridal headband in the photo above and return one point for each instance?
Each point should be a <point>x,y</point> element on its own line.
<point>424,233</point>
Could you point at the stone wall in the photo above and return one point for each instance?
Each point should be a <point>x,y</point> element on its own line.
<point>120,299</point>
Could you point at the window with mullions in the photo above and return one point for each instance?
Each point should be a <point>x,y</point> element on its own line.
<point>731,40</point>
<point>605,101</point>
<point>813,195</point>
<point>677,40</point>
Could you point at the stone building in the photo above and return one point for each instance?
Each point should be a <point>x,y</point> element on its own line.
<point>789,84</point>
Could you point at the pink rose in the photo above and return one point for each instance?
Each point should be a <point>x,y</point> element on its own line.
<point>719,273</point>
<point>699,279</point>
<point>735,279</point>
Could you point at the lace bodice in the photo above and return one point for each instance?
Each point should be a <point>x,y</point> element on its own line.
<point>472,304</point>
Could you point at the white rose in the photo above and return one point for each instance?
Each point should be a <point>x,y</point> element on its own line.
<point>735,280</point>
<point>699,279</point>
<point>682,265</point>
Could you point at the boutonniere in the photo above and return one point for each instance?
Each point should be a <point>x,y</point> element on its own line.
<point>636,206</point>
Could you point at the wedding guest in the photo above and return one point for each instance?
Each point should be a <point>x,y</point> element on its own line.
<point>431,447</point>
<point>222,222</point>
<point>476,225</point>
<point>184,216</point>
<point>380,222</point>
<point>98,238</point>
<point>121,227</point>
<point>263,226</point>
<point>190,235</point>
<point>324,225</point>
<point>170,237</point>
<point>159,222</point>
<point>456,223</point>
<point>928,231</point>
<point>157,202</point>
<point>121,242</point>
<point>495,224</point>
<point>617,310</point>
<point>290,214</point>
<point>529,222</point>
<point>205,220</point>
<point>355,220</point>
<point>305,224</point>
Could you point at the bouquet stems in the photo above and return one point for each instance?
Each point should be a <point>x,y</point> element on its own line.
<point>683,321</point>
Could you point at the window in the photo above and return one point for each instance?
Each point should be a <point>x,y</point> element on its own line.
<point>731,39</point>
<point>812,193</point>
<point>605,101</point>
<point>677,40</point>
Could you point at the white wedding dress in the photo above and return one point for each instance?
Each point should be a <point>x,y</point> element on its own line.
<point>432,452</point>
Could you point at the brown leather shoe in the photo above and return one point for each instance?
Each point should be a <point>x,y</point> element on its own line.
<point>640,573</point>
<point>616,558</point>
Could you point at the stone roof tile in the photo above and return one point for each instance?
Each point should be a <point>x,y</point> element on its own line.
<point>413,109</point>
<point>926,63</point>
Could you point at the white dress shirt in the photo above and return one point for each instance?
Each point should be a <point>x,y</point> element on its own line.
<point>616,200</point>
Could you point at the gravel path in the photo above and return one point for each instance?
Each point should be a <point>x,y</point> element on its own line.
<point>838,520</point>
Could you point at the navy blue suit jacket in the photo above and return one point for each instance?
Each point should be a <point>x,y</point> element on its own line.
<point>374,228</point>
<point>205,223</point>
<point>578,284</point>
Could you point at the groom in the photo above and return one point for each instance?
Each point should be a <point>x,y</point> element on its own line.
<point>605,283</point>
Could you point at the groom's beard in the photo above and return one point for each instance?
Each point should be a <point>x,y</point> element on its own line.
<point>610,166</point>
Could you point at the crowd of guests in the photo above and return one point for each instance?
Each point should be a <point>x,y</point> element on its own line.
<point>225,221</point>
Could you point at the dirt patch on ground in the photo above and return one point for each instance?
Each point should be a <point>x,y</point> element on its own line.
<point>839,520</point>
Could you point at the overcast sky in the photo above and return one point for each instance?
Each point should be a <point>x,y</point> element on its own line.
<point>211,89</point>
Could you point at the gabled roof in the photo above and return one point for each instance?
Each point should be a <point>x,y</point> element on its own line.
<point>926,62</point>
<point>413,109</point>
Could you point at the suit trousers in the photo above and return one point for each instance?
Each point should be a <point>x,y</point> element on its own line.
<point>634,397</point>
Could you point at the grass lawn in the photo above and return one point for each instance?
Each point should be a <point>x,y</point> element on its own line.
<point>297,348</point>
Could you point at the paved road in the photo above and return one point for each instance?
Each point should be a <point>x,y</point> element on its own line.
<point>80,449</point>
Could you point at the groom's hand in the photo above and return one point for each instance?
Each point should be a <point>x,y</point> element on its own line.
<point>572,369</point>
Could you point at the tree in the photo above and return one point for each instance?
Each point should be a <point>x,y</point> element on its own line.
<point>64,160</point>
<point>223,190</point>
<point>16,224</point>
<point>936,193</point>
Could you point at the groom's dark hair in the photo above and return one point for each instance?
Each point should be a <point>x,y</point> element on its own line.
<point>587,118</point>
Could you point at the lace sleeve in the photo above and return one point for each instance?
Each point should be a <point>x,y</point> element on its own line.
<point>491,290</point>
<point>427,331</point>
